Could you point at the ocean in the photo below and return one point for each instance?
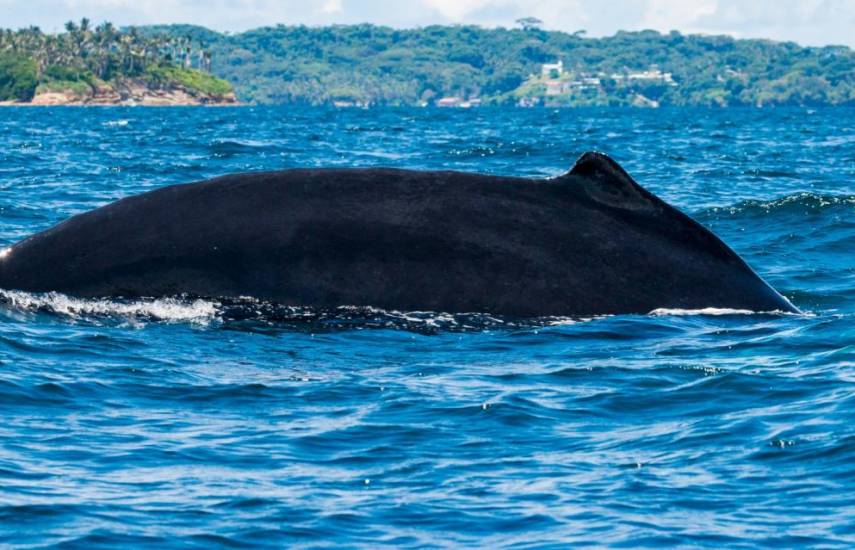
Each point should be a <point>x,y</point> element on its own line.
<point>183,423</point>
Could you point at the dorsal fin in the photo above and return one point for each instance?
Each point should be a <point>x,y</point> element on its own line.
<point>610,184</point>
<point>601,167</point>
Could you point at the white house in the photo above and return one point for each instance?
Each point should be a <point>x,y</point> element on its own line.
<point>549,69</point>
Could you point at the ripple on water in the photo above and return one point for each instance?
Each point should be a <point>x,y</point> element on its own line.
<point>181,422</point>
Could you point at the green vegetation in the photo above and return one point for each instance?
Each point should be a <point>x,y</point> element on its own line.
<point>191,79</point>
<point>86,61</point>
<point>59,78</point>
<point>372,65</point>
<point>18,77</point>
<point>369,64</point>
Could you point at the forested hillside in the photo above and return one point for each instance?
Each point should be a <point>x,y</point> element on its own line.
<point>444,65</point>
<point>103,64</point>
<point>367,64</point>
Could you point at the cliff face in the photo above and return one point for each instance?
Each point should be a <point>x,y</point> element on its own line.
<point>129,92</point>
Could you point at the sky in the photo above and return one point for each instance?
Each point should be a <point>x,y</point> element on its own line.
<point>808,22</point>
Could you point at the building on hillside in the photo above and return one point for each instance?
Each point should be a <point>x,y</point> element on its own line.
<point>650,75</point>
<point>653,74</point>
<point>552,70</point>
<point>561,87</point>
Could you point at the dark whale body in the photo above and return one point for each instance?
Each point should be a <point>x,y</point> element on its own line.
<point>590,242</point>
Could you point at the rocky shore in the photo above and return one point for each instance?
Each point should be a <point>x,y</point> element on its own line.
<point>128,92</point>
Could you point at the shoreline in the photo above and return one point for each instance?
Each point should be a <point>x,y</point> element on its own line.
<point>122,104</point>
<point>236,103</point>
<point>128,96</point>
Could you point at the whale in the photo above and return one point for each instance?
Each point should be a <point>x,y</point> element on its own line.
<point>589,242</point>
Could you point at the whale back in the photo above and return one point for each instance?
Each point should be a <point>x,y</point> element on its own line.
<point>590,242</point>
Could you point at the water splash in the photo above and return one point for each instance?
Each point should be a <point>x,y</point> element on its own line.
<point>167,310</point>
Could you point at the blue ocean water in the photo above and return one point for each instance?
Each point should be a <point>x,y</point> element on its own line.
<point>185,423</point>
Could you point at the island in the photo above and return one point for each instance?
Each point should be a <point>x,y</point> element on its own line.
<point>456,66</point>
<point>105,66</point>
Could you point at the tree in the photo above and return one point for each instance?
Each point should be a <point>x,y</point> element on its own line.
<point>18,78</point>
<point>529,23</point>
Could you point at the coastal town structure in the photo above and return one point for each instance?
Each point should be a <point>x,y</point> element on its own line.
<point>557,86</point>
<point>552,70</point>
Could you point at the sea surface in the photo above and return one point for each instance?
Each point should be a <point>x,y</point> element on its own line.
<point>177,423</point>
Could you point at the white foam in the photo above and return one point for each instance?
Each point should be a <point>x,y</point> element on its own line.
<point>706,311</point>
<point>172,310</point>
<point>562,321</point>
<point>120,122</point>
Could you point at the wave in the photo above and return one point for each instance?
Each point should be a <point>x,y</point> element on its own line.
<point>253,313</point>
<point>231,147</point>
<point>175,310</point>
<point>798,203</point>
<point>715,311</point>
<point>250,313</point>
